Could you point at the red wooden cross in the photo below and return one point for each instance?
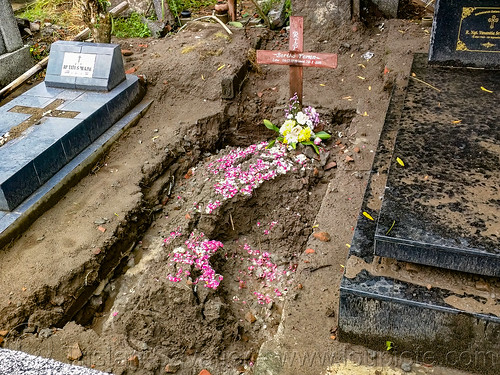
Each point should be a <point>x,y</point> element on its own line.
<point>297,58</point>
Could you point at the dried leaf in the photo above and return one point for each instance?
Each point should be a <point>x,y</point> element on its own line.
<point>221,67</point>
<point>485,89</point>
<point>400,162</point>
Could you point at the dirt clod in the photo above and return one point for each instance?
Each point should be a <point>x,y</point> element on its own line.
<point>330,165</point>
<point>172,368</point>
<point>134,361</point>
<point>74,352</point>
<point>250,317</point>
<point>322,236</point>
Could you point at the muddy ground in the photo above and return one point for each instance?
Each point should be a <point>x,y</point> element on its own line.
<point>96,270</point>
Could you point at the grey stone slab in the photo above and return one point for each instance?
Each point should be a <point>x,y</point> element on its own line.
<point>466,33</point>
<point>81,65</point>
<point>18,179</point>
<point>43,91</point>
<point>388,7</point>
<point>9,32</point>
<point>14,64</point>
<point>55,141</point>
<point>442,208</point>
<point>10,119</point>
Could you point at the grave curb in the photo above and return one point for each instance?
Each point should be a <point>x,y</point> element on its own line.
<point>14,64</point>
<point>53,190</point>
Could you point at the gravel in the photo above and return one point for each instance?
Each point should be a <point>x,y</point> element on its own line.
<point>19,363</point>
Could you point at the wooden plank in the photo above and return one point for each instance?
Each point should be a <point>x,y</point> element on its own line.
<point>296,34</point>
<point>297,82</point>
<point>306,59</point>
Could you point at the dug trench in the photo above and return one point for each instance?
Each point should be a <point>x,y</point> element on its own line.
<point>132,308</point>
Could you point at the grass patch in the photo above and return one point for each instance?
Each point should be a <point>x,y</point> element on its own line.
<point>60,12</point>
<point>131,27</point>
<point>177,6</point>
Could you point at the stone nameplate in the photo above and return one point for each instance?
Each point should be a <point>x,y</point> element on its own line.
<point>466,33</point>
<point>78,65</point>
<point>88,66</point>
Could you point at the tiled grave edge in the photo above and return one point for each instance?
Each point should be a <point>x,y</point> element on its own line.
<point>12,224</point>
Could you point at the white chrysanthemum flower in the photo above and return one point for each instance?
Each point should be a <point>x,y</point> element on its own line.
<point>301,118</point>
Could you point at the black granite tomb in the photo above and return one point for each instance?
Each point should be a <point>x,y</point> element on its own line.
<point>442,208</point>
<point>466,33</point>
<point>429,313</point>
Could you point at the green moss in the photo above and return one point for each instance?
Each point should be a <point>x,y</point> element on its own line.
<point>131,27</point>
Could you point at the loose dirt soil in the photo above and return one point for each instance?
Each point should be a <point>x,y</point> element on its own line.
<point>97,268</point>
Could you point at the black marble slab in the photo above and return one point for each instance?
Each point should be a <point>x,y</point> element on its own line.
<point>442,208</point>
<point>431,315</point>
<point>466,33</point>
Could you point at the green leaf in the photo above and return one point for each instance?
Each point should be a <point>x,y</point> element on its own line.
<point>235,24</point>
<point>280,139</point>
<point>271,144</point>
<point>294,145</point>
<point>389,345</point>
<point>271,126</point>
<point>310,143</point>
<point>323,135</point>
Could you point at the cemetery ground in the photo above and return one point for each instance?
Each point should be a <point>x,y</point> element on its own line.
<point>88,283</point>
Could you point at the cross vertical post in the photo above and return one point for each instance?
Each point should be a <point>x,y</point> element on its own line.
<point>296,46</point>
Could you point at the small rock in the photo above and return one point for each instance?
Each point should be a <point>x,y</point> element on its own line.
<point>74,352</point>
<point>323,158</point>
<point>4,333</point>
<point>172,368</point>
<point>100,221</point>
<point>131,70</point>
<point>356,149</point>
<point>372,354</point>
<point>348,159</point>
<point>101,229</point>
<point>134,361</point>
<point>34,27</point>
<point>322,236</point>
<point>204,372</point>
<point>330,165</point>
<point>127,52</point>
<point>310,153</point>
<point>406,367</point>
<point>45,333</point>
<point>250,317</point>
<point>310,251</point>
<point>30,329</point>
